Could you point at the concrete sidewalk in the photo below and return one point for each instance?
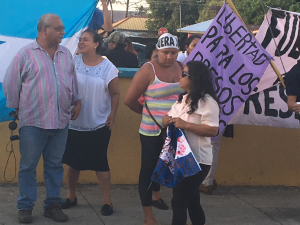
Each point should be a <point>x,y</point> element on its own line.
<point>228,205</point>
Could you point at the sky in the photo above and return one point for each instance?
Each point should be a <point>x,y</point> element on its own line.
<point>120,6</point>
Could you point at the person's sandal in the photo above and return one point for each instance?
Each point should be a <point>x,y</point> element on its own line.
<point>67,203</point>
<point>160,204</point>
<point>107,210</point>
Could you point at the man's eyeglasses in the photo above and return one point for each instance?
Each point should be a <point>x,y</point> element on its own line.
<point>59,29</point>
<point>185,74</point>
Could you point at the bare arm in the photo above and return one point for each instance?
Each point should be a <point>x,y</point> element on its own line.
<point>199,129</point>
<point>138,86</point>
<point>17,112</point>
<point>209,120</point>
<point>202,129</point>
<point>76,110</point>
<point>107,26</point>
<point>166,120</point>
<point>292,104</point>
<point>114,92</point>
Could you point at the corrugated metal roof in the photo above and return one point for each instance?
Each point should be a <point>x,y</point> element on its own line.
<point>114,25</point>
<point>131,23</point>
<point>119,22</point>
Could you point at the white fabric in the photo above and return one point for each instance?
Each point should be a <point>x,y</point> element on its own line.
<point>182,56</point>
<point>269,107</point>
<point>167,41</point>
<point>93,88</point>
<point>207,113</point>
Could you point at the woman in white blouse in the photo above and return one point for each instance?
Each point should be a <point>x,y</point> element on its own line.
<point>89,135</point>
<point>196,112</point>
<point>190,44</point>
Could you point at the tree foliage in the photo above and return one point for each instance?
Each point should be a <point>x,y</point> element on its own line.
<point>166,13</point>
<point>253,11</point>
<point>209,10</point>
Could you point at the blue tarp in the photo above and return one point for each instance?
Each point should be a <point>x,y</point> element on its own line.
<point>18,27</point>
<point>198,28</point>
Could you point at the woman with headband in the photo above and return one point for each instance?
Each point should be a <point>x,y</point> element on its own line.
<point>158,82</point>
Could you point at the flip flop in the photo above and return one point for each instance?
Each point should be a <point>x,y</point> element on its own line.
<point>160,204</point>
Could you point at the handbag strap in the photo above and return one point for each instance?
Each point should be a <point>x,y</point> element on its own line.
<point>147,108</point>
<point>180,65</point>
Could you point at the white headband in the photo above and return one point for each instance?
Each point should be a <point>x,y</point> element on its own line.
<point>167,41</point>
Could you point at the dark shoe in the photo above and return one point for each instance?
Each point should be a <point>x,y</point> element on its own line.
<point>160,204</point>
<point>206,189</point>
<point>67,203</point>
<point>106,210</point>
<point>25,216</point>
<point>54,212</point>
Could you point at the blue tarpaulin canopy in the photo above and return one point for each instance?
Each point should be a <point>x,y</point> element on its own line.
<point>198,28</point>
<point>18,28</point>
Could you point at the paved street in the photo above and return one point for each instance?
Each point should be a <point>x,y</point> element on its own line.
<point>228,205</point>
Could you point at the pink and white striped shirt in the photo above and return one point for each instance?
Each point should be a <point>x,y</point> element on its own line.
<point>43,89</point>
<point>160,96</point>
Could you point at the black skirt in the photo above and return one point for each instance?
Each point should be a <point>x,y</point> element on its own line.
<point>87,150</point>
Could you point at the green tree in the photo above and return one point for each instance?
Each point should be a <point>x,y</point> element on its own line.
<point>209,10</point>
<point>141,10</point>
<point>252,11</point>
<point>166,13</point>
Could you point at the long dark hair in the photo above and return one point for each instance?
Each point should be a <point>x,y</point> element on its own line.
<point>201,84</point>
<point>129,46</point>
<point>149,50</point>
<point>96,38</point>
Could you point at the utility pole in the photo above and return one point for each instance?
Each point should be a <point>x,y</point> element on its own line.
<point>127,7</point>
<point>180,18</point>
<point>180,13</point>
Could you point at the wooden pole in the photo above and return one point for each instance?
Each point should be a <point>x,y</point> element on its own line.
<point>271,61</point>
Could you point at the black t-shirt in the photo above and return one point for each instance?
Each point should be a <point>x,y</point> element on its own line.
<point>122,58</point>
<point>292,81</point>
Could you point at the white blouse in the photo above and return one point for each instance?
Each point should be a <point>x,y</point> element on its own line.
<point>93,89</point>
<point>182,56</point>
<point>206,113</point>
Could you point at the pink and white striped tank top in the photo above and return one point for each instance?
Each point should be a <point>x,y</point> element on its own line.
<point>160,96</point>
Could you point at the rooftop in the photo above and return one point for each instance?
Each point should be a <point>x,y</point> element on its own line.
<point>131,23</point>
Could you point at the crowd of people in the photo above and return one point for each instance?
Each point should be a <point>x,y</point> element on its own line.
<point>70,118</point>
<point>67,107</point>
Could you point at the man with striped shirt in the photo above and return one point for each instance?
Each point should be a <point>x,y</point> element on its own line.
<point>41,84</point>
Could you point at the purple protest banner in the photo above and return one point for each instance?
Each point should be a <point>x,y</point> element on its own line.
<point>236,61</point>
